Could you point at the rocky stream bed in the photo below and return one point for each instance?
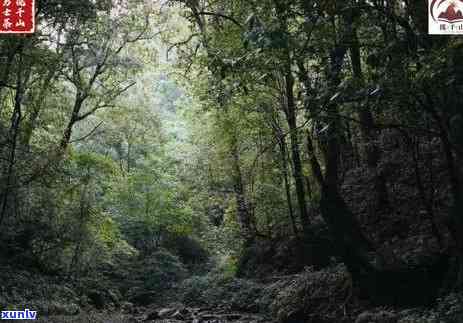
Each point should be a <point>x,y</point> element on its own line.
<point>198,315</point>
<point>162,315</point>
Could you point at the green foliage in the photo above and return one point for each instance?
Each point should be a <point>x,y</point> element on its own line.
<point>218,290</point>
<point>163,271</point>
<point>110,153</point>
<point>91,176</point>
<point>312,294</point>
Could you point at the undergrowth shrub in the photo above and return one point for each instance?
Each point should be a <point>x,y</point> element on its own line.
<point>189,250</point>
<point>217,289</point>
<point>162,270</point>
<point>450,308</point>
<point>314,295</point>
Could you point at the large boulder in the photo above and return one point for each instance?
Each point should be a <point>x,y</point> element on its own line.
<point>57,308</point>
<point>166,313</point>
<point>127,307</point>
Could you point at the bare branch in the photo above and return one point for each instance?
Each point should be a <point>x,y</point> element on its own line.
<point>91,133</point>
<point>181,43</point>
<point>206,13</point>
<point>104,105</point>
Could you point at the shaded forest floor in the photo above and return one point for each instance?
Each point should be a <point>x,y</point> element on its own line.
<point>310,296</point>
<point>281,280</point>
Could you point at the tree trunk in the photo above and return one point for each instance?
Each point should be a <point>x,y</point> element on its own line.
<point>31,123</point>
<point>428,201</point>
<point>367,129</point>
<point>12,140</point>
<point>455,224</point>
<point>291,117</point>
<point>66,138</point>
<point>290,111</point>
<point>351,243</point>
<point>284,168</point>
<point>244,216</point>
<point>12,47</point>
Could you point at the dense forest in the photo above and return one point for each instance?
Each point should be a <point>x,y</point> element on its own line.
<point>232,161</point>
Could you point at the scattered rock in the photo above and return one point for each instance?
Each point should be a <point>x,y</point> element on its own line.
<point>166,313</point>
<point>114,296</point>
<point>127,308</point>
<point>232,317</point>
<point>134,320</point>
<point>55,308</point>
<point>377,317</point>
<point>152,316</point>
<point>72,309</point>
<point>180,315</point>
